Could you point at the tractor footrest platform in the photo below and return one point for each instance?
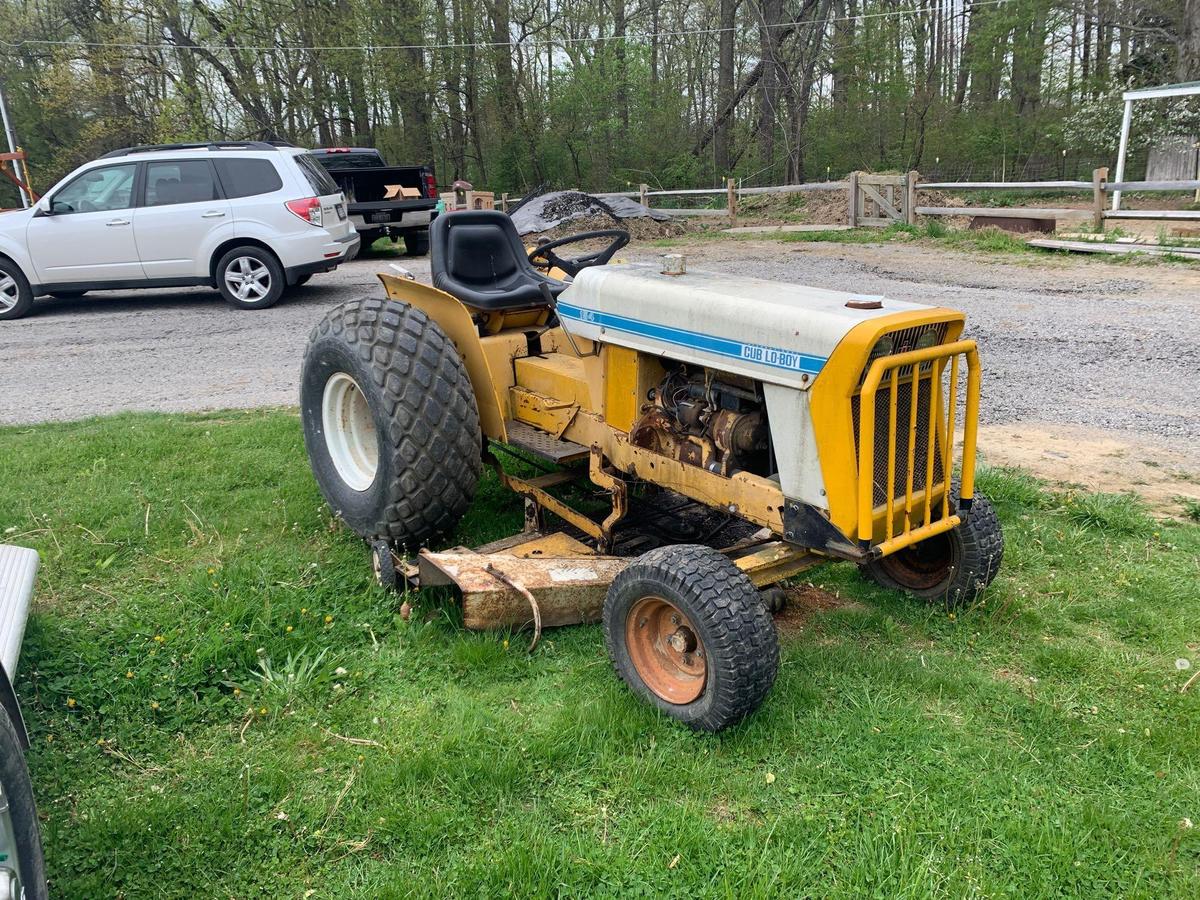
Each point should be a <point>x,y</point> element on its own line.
<point>555,450</point>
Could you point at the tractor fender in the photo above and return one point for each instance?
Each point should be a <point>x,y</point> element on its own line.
<point>490,379</point>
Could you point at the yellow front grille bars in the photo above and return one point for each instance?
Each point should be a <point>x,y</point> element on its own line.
<point>920,373</point>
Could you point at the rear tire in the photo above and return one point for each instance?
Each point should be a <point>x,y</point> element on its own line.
<point>390,422</point>
<point>954,567</point>
<point>416,243</point>
<point>16,296</point>
<point>250,277</point>
<point>688,632</point>
<point>19,824</point>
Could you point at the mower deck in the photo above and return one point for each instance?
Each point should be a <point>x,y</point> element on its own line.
<point>548,580</point>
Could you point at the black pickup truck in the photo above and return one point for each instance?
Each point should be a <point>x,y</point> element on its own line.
<point>383,200</point>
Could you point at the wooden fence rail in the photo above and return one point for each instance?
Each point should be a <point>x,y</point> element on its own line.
<point>884,199</point>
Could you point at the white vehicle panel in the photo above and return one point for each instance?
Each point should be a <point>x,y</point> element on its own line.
<point>18,568</point>
<point>81,247</point>
<point>775,332</point>
<point>170,239</point>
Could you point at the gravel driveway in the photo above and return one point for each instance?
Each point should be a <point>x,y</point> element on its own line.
<point>1064,340</point>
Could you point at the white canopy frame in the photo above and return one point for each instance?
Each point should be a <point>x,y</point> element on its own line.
<point>1186,89</point>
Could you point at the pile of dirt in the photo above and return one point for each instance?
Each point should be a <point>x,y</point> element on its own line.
<point>827,207</point>
<point>560,213</point>
<point>639,229</point>
<point>807,208</point>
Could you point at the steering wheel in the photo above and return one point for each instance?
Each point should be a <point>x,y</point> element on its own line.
<point>544,257</point>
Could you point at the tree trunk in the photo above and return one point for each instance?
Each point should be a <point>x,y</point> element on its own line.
<point>770,14</point>
<point>1188,65</point>
<point>414,99</point>
<point>727,16</point>
<point>842,51</point>
<point>1029,52</point>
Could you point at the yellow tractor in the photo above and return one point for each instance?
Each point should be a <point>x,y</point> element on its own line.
<point>698,437</point>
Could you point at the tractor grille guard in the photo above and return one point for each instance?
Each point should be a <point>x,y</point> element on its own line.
<point>903,395</point>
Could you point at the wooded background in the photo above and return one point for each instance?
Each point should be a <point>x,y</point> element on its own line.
<point>515,93</point>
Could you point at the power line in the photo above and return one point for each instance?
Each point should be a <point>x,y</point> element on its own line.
<point>477,45</point>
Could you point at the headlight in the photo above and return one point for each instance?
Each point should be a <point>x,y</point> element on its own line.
<point>883,347</point>
<point>927,339</point>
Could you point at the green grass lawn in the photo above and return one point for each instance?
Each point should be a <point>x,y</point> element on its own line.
<point>222,704</point>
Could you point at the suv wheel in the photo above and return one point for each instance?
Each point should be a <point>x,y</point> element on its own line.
<point>250,278</point>
<point>16,297</point>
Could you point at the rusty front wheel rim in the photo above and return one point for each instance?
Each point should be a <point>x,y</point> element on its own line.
<point>666,650</point>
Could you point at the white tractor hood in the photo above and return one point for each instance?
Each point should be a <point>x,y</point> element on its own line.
<point>773,331</point>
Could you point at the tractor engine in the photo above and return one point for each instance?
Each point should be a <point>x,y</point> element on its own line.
<point>717,424</point>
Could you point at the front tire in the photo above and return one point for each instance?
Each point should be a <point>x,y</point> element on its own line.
<point>20,842</point>
<point>384,565</point>
<point>16,296</point>
<point>688,632</point>
<point>390,422</point>
<point>250,278</point>
<point>954,567</point>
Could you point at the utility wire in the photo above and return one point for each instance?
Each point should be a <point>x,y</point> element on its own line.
<point>478,45</point>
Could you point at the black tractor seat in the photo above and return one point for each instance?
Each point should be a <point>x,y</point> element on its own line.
<point>477,256</point>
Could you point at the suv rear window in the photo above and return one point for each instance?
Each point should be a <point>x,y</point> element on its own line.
<point>318,178</point>
<point>183,181</point>
<point>247,177</point>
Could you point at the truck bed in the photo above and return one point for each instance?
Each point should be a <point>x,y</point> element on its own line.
<point>368,186</point>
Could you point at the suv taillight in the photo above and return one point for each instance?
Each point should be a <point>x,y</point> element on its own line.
<point>308,209</point>
<point>430,183</point>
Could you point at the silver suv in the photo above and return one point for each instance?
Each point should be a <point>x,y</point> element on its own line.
<point>246,217</point>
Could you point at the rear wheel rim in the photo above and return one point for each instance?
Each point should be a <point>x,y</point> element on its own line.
<point>350,435</point>
<point>248,279</point>
<point>9,292</point>
<point>666,650</point>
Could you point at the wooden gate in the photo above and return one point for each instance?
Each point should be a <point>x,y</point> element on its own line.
<point>880,200</point>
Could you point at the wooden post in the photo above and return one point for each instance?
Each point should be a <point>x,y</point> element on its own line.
<point>731,199</point>
<point>642,198</point>
<point>1099,186</point>
<point>852,217</point>
<point>910,197</point>
<point>504,202</point>
<point>1195,146</point>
